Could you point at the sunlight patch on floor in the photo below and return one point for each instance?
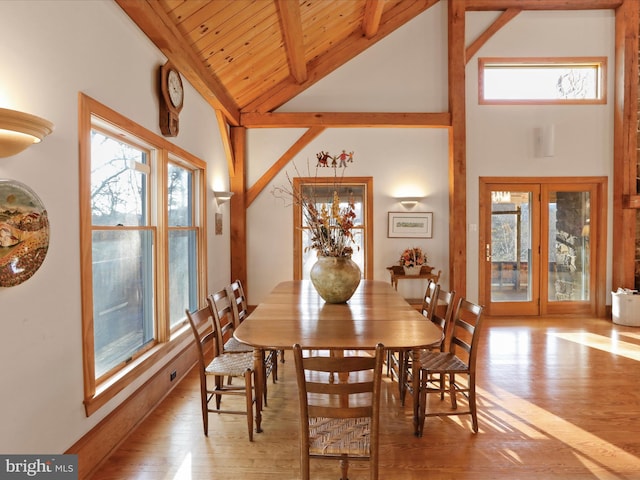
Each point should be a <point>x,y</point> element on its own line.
<point>184,471</point>
<point>602,342</point>
<point>591,449</point>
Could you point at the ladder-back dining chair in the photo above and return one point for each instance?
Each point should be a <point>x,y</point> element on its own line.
<point>238,299</point>
<point>457,360</point>
<point>221,366</point>
<point>399,361</point>
<point>441,311</point>
<point>222,306</point>
<point>339,420</point>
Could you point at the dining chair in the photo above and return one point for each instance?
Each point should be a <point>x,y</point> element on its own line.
<point>458,358</point>
<point>238,299</point>
<point>399,361</point>
<point>339,420</point>
<point>220,366</point>
<point>222,307</point>
<point>440,311</point>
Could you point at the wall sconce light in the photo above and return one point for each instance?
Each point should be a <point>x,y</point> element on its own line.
<point>18,130</point>
<point>222,197</point>
<point>545,140</point>
<point>409,202</point>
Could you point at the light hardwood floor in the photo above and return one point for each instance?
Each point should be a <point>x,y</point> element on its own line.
<point>558,398</point>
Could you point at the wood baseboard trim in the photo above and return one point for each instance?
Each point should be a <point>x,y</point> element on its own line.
<point>103,439</point>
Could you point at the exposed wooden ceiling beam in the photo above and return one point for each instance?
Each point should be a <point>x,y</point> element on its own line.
<point>291,25</point>
<point>269,175</point>
<point>156,24</point>
<point>353,45</point>
<point>500,22</point>
<point>372,15</point>
<point>226,142</point>
<point>346,120</point>
<point>542,4</point>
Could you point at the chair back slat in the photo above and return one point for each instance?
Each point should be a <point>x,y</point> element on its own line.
<point>430,300</point>
<point>201,323</point>
<point>466,321</point>
<point>238,299</point>
<point>223,317</point>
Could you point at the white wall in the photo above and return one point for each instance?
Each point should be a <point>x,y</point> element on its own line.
<point>50,51</point>
<point>500,139</point>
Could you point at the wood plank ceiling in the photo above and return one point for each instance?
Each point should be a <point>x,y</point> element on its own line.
<point>255,55</point>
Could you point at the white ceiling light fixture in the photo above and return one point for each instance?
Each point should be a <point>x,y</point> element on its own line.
<point>19,130</point>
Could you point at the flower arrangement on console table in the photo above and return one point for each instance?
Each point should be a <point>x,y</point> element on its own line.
<point>412,260</point>
<point>334,275</point>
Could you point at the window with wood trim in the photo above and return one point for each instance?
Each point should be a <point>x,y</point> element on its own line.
<point>142,247</point>
<point>542,80</point>
<point>359,191</point>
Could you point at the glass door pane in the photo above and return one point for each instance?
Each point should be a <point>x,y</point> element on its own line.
<point>569,246</point>
<point>510,246</point>
<point>509,232</point>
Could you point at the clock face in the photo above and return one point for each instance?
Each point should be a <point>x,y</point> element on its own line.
<point>174,86</point>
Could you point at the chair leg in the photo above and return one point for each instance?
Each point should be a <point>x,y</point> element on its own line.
<point>304,464</point>
<point>219,386</point>
<point>274,361</point>
<point>389,353</point>
<point>421,396</point>
<point>472,402</point>
<point>205,409</point>
<point>401,375</point>
<point>344,468</point>
<point>452,391</point>
<point>265,356</point>
<point>249,396</point>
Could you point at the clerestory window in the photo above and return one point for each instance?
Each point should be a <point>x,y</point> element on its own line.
<point>542,80</point>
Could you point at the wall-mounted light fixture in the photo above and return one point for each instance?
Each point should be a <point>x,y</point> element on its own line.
<point>18,130</point>
<point>545,141</point>
<point>222,197</point>
<point>409,202</point>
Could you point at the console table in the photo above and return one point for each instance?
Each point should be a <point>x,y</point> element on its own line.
<point>426,273</point>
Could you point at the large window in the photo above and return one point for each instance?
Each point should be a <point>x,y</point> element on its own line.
<point>142,247</point>
<point>541,80</point>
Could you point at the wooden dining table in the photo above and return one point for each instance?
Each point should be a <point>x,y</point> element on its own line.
<point>294,313</point>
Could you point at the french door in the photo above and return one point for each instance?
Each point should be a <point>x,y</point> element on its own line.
<point>539,244</point>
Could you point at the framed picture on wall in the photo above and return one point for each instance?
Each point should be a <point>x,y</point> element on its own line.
<point>410,225</point>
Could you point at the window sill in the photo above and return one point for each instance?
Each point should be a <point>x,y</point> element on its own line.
<point>160,354</point>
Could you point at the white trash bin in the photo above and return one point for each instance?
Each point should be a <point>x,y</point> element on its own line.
<point>625,309</point>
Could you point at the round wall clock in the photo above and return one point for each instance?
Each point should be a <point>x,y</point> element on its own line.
<point>24,233</point>
<point>174,85</point>
<point>171,99</point>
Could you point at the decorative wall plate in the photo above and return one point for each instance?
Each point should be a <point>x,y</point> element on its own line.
<point>24,233</point>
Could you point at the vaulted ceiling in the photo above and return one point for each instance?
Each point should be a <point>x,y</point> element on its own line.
<point>255,55</point>
<point>252,56</point>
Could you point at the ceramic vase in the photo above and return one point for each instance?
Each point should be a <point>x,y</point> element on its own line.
<point>335,278</point>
